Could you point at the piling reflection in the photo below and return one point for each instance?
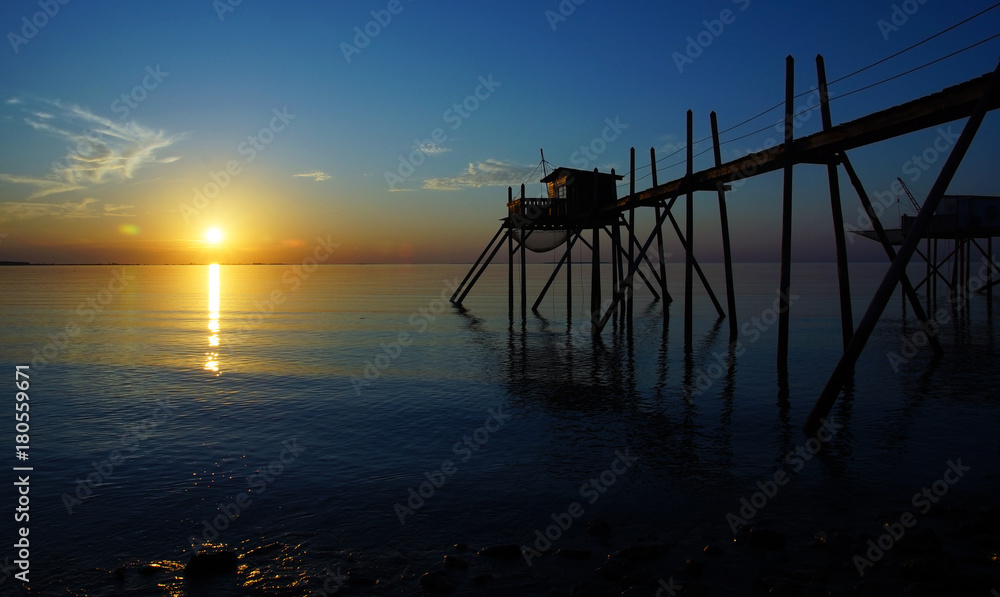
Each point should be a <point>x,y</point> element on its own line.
<point>680,409</point>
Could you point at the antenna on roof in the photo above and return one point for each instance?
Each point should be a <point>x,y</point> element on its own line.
<point>544,171</point>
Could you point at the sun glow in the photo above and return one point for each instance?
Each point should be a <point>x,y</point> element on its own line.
<point>213,236</point>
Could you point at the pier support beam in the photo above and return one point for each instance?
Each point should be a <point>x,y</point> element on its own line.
<point>510,272</point>
<point>727,253</point>
<point>694,264</point>
<point>908,290</point>
<point>645,257</point>
<point>570,241</point>
<point>524,275</point>
<point>659,232</point>
<point>898,268</point>
<point>595,264</point>
<point>630,297</point>
<point>989,275</point>
<point>642,257</point>
<point>786,215</point>
<point>462,290</point>
<point>843,278</point>
<point>614,234</point>
<point>599,323</point>
<point>688,255</point>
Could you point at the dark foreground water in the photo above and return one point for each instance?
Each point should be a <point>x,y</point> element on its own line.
<point>346,419</point>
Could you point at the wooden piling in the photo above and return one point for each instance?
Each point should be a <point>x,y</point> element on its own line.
<point>569,272</point>
<point>645,257</point>
<point>595,263</point>
<point>570,241</point>
<point>786,215</point>
<point>630,302</point>
<point>614,235</point>
<point>603,321</point>
<point>689,256</point>
<point>642,258</point>
<point>510,258</point>
<point>524,275</point>
<point>927,282</point>
<point>843,278</point>
<point>989,274</point>
<point>659,233</point>
<point>937,274</point>
<point>968,265</point>
<point>727,253</point>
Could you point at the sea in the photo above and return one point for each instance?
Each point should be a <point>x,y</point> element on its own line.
<point>342,428</point>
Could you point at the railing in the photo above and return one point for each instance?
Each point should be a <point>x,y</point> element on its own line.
<point>531,207</point>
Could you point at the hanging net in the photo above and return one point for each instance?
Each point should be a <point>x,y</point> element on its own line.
<point>541,241</point>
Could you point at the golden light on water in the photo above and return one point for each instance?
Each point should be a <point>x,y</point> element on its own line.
<point>212,357</point>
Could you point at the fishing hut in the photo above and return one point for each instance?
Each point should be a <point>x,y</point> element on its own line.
<point>579,206</point>
<point>963,224</point>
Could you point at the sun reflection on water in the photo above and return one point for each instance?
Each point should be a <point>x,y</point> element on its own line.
<point>212,357</point>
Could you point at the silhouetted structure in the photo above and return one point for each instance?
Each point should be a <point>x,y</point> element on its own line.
<point>570,216</point>
<point>965,220</point>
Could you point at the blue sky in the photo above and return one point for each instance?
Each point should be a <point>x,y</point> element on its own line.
<point>170,94</point>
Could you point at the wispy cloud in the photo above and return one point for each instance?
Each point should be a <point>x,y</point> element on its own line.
<point>316,175</point>
<point>490,173</point>
<point>45,186</point>
<point>431,148</point>
<point>111,209</point>
<point>669,144</point>
<point>99,150</point>
<point>12,211</point>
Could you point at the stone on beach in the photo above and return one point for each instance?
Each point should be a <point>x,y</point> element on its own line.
<point>209,564</point>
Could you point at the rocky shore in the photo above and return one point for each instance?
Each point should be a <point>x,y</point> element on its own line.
<point>949,551</point>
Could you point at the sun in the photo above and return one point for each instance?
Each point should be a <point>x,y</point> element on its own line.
<point>213,236</point>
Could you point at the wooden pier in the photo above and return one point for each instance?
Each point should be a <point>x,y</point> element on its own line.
<point>582,204</point>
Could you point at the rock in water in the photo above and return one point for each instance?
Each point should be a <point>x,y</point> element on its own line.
<point>209,564</point>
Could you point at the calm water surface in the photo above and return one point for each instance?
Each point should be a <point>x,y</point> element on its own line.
<point>312,403</point>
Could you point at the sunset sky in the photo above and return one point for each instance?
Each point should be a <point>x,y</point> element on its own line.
<point>296,124</point>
